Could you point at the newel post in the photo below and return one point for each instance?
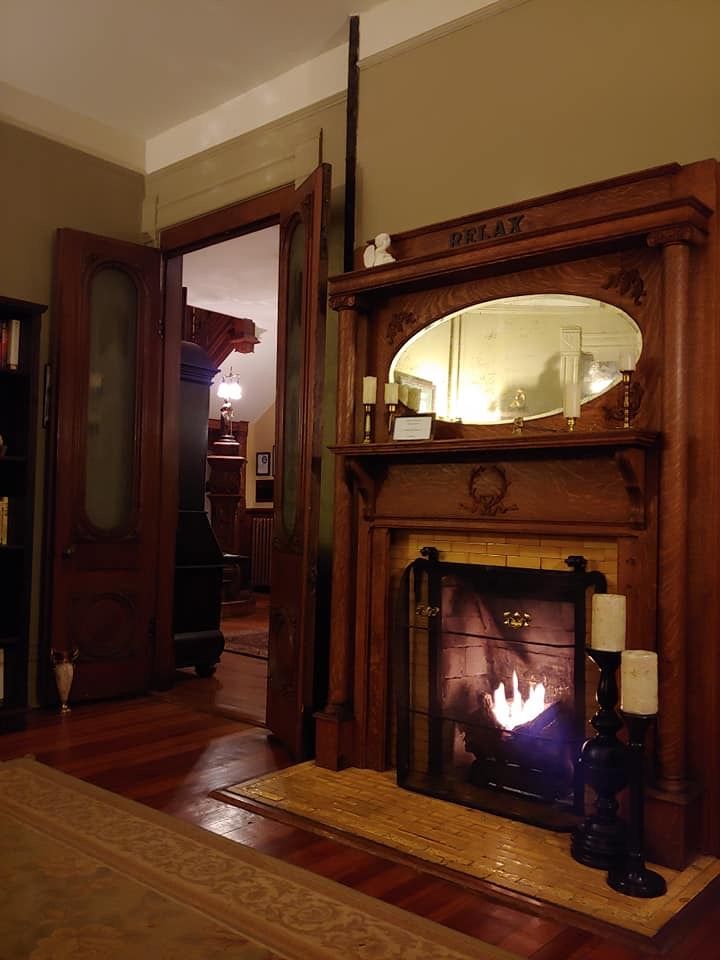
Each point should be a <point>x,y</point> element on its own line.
<point>334,723</point>
<point>673,555</point>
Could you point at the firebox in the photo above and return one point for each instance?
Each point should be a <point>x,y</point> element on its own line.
<point>490,668</point>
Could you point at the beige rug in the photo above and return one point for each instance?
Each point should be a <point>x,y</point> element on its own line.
<point>87,875</point>
<point>500,853</point>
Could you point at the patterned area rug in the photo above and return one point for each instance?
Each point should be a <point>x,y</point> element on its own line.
<point>87,874</point>
<point>253,644</point>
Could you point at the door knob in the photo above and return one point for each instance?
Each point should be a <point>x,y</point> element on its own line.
<point>68,552</point>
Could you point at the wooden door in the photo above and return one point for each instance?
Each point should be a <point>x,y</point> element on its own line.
<point>301,349</point>
<point>104,520</point>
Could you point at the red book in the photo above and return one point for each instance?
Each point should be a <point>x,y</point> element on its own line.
<point>4,343</point>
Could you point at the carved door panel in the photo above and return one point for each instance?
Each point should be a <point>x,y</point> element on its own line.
<point>104,522</point>
<point>301,344</point>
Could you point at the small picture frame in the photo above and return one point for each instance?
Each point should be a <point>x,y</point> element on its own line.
<point>419,426</point>
<point>262,463</point>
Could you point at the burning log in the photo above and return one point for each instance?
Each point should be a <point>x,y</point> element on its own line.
<point>535,758</point>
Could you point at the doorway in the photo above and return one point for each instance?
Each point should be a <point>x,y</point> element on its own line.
<point>231,304</point>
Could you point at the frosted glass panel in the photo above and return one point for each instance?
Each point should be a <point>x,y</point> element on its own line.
<point>110,464</point>
<point>293,370</point>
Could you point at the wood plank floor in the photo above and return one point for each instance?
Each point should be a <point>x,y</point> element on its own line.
<point>170,755</point>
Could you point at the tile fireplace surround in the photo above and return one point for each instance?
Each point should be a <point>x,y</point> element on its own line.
<point>640,504</point>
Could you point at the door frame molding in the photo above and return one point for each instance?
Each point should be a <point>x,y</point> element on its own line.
<point>235,220</point>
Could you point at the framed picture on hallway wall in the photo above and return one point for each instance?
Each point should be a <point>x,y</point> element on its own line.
<point>262,463</point>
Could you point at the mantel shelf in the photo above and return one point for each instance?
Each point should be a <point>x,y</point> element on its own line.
<point>437,449</point>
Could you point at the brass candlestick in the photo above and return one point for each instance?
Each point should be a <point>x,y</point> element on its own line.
<point>367,429</point>
<point>571,423</point>
<point>392,407</point>
<point>627,380</point>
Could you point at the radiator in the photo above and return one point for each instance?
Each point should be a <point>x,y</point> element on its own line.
<point>260,551</point>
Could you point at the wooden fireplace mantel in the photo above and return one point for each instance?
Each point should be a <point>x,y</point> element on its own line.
<point>649,244</point>
<point>508,445</point>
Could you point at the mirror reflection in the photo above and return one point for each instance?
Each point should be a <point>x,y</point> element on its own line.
<point>496,361</point>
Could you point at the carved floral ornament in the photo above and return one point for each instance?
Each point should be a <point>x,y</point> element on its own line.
<point>488,486</point>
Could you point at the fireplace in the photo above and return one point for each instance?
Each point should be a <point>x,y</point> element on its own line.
<point>645,493</point>
<point>490,686</point>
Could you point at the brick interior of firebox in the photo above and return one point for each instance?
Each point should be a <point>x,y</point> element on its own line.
<point>545,553</point>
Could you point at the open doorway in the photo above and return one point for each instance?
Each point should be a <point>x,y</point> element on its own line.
<point>231,305</point>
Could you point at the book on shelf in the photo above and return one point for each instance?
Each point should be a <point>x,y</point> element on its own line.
<point>4,510</point>
<point>9,344</point>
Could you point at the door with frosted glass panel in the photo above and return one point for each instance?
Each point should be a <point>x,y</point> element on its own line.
<point>292,678</point>
<point>108,362</point>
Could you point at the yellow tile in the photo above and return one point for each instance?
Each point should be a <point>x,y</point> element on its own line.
<point>495,560</point>
<point>531,563</point>
<point>513,855</point>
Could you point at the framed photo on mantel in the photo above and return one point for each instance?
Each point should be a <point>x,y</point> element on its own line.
<point>419,426</point>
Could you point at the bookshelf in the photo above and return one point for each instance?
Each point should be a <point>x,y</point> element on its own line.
<point>19,339</point>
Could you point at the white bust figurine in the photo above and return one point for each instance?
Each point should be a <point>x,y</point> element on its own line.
<point>376,252</point>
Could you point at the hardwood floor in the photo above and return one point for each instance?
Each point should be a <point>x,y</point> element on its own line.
<point>238,688</point>
<point>170,754</point>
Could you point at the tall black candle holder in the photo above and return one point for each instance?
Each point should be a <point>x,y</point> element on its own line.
<point>632,877</point>
<point>601,839</point>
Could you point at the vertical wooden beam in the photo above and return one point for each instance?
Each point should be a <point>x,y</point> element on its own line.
<point>672,588</point>
<point>351,128</point>
<point>333,723</point>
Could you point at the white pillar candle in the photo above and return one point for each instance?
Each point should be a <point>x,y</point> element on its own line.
<point>369,389</point>
<point>571,399</point>
<point>639,682</point>
<point>627,360</point>
<point>392,391</point>
<point>608,621</point>
<point>570,368</point>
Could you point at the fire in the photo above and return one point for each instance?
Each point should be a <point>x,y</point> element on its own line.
<point>512,713</point>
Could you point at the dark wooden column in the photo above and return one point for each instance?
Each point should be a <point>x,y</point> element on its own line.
<point>676,245</point>
<point>333,729</point>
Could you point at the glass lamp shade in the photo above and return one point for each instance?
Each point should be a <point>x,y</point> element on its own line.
<point>229,390</point>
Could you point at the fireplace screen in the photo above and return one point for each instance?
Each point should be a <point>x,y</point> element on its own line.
<point>491,686</point>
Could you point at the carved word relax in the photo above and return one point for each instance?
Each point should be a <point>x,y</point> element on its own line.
<point>487,231</point>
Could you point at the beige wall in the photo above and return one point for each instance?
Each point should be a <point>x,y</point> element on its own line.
<point>547,95</point>
<point>538,97</point>
<point>45,185</point>
<point>261,436</point>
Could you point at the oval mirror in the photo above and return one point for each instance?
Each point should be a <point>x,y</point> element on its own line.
<point>495,361</point>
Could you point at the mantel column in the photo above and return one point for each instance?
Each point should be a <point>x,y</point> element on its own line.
<point>334,723</point>
<point>672,585</point>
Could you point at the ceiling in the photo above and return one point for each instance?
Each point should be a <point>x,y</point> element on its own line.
<point>145,83</point>
<point>240,277</point>
<point>142,67</point>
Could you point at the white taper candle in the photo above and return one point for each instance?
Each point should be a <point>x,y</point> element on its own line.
<point>571,399</point>
<point>369,389</point>
<point>392,391</point>
<point>627,360</point>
